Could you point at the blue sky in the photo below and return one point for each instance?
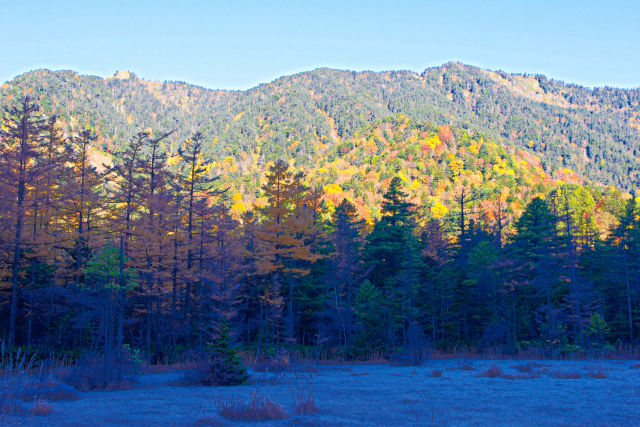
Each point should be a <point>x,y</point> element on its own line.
<point>239,44</point>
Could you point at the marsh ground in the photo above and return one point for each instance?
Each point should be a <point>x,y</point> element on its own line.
<point>438,392</point>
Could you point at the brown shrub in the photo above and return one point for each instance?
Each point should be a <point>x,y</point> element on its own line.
<point>466,367</point>
<point>492,372</point>
<point>635,366</point>
<point>565,374</point>
<point>521,376</point>
<point>41,407</point>
<point>258,408</point>
<point>436,373</point>
<point>597,372</point>
<point>524,367</point>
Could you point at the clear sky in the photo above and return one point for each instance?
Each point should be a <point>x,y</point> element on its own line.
<point>239,44</point>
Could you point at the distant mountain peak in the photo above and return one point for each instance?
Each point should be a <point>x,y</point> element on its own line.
<point>123,75</point>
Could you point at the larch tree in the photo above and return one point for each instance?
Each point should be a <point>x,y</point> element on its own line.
<point>21,135</point>
<point>285,239</point>
<point>197,182</point>
<point>151,244</point>
<point>125,190</point>
<point>82,201</point>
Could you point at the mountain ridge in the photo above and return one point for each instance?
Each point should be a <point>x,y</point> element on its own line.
<point>320,68</point>
<point>595,132</point>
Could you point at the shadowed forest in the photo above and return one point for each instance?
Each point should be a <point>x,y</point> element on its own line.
<point>145,255</point>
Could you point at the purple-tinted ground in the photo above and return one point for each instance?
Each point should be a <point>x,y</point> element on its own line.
<point>524,393</point>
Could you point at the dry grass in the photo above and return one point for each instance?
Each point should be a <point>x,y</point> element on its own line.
<point>10,407</point>
<point>258,408</point>
<point>146,368</point>
<point>621,352</point>
<point>54,393</point>
<point>17,372</point>
<point>275,379</point>
<point>527,367</point>
<point>21,380</point>
<point>635,366</point>
<point>302,392</point>
<point>492,372</point>
<point>41,408</point>
<point>565,374</point>
<point>466,367</point>
<point>436,373</point>
<point>521,376</point>
<point>211,420</point>
<point>279,363</point>
<point>597,372</point>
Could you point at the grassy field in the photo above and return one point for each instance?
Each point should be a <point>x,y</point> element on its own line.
<point>438,392</point>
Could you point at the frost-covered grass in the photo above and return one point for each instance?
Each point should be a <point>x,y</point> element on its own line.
<point>516,393</point>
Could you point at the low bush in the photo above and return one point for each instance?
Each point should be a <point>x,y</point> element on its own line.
<point>217,372</point>
<point>258,408</point>
<point>197,373</point>
<point>597,372</point>
<point>565,374</point>
<point>226,370</point>
<point>436,373</point>
<point>225,364</point>
<point>41,407</point>
<point>521,376</point>
<point>100,372</point>
<point>525,367</point>
<point>492,372</point>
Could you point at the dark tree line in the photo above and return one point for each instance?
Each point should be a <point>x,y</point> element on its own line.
<point>145,253</point>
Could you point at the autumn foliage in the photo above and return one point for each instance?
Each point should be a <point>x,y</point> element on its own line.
<point>403,237</point>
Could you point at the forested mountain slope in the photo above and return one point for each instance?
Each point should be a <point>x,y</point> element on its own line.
<point>596,133</point>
